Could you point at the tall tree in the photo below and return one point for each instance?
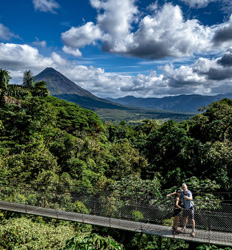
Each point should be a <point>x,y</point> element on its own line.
<point>28,79</point>
<point>4,82</point>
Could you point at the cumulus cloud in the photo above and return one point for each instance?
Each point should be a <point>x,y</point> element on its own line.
<point>71,51</point>
<point>81,36</point>
<point>226,60</point>
<point>103,84</point>
<point>117,17</point>
<point>204,76</point>
<point>17,57</point>
<point>164,33</point>
<point>223,33</point>
<point>219,74</point>
<point>46,5</point>
<point>5,33</point>
<point>222,68</point>
<point>184,77</point>
<point>116,22</point>
<point>167,34</point>
<point>58,60</point>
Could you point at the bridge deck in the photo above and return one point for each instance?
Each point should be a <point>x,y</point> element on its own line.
<point>213,237</point>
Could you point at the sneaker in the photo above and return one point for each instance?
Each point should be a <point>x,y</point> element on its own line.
<point>176,232</point>
<point>193,234</point>
<point>183,230</point>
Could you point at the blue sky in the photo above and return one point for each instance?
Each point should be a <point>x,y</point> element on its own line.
<point>115,48</point>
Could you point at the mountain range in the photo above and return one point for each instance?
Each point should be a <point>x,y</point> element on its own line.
<point>184,103</point>
<point>126,108</point>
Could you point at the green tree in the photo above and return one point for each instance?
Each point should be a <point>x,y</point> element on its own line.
<point>216,159</point>
<point>18,92</point>
<point>39,89</point>
<point>4,83</point>
<point>166,150</point>
<point>126,160</point>
<point>28,79</point>
<point>215,124</point>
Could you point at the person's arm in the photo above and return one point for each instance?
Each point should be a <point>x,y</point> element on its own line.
<point>168,195</point>
<point>190,197</point>
<point>177,203</point>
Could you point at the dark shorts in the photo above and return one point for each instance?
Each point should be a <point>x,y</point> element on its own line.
<point>189,213</point>
<point>176,212</point>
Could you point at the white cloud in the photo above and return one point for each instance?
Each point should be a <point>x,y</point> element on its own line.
<point>116,24</point>
<point>226,60</point>
<point>117,17</point>
<point>223,34</point>
<point>183,77</point>
<point>81,36</point>
<point>163,34</point>
<point>17,58</point>
<point>46,5</point>
<point>71,51</point>
<point>58,60</point>
<point>113,26</point>
<point>198,78</point>
<point>204,76</point>
<point>5,33</point>
<point>167,34</point>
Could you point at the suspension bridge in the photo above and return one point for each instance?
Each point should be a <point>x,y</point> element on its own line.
<point>213,216</point>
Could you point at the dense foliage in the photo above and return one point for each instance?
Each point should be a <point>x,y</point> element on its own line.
<point>49,142</point>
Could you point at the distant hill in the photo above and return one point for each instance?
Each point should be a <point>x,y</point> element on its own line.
<point>184,103</point>
<point>63,88</point>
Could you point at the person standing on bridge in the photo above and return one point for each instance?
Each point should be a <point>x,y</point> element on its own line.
<point>177,211</point>
<point>188,211</point>
<point>188,208</point>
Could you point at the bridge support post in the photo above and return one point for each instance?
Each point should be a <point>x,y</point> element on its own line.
<point>209,226</point>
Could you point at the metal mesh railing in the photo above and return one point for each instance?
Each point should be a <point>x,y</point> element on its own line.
<point>213,217</point>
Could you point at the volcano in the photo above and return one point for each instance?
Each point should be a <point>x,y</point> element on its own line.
<point>63,88</point>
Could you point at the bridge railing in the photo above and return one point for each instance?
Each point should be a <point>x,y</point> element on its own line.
<point>210,215</point>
